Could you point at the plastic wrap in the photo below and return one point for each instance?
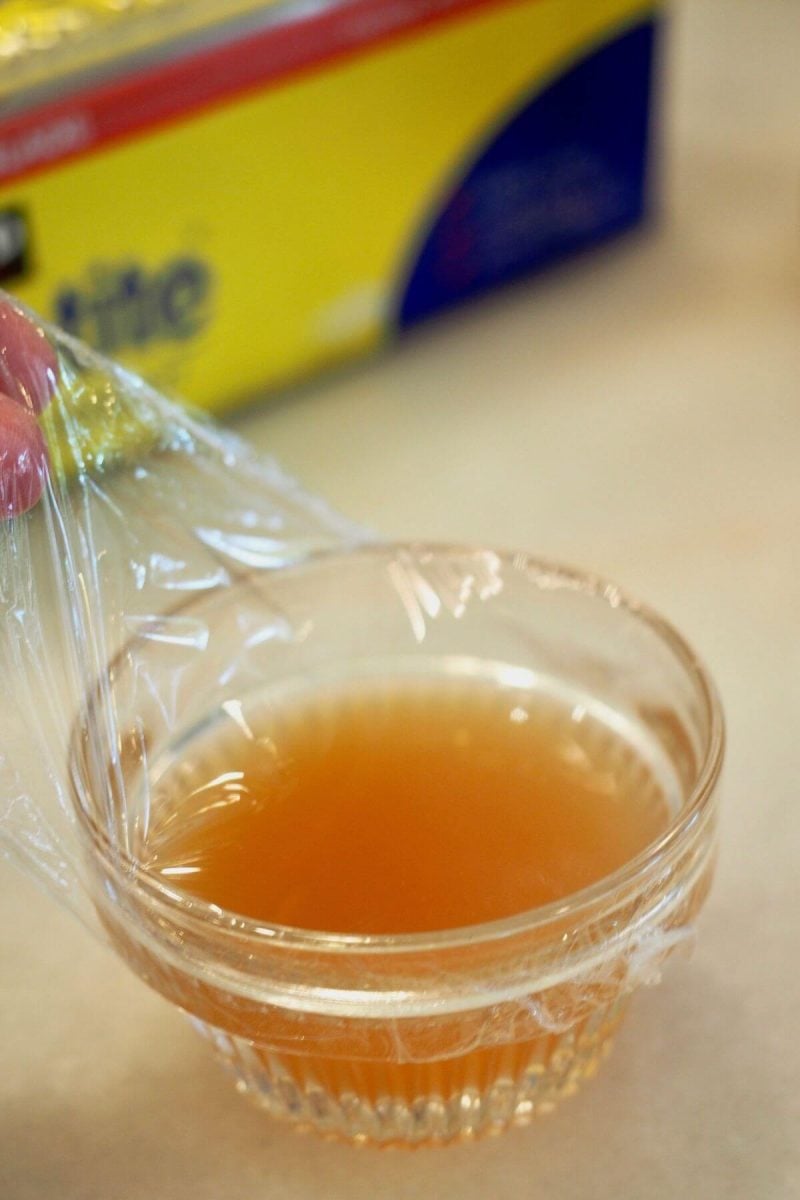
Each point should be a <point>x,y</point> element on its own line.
<point>116,504</point>
<point>153,570</point>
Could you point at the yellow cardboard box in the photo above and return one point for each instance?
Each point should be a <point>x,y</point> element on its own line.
<point>229,196</point>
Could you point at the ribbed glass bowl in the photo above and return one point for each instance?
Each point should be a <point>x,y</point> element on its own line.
<point>416,1038</point>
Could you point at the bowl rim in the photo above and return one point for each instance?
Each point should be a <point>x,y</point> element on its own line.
<point>545,574</point>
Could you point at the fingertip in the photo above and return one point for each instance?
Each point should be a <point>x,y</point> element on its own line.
<point>28,360</point>
<point>23,459</point>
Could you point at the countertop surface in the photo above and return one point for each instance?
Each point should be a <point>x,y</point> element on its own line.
<point>637,412</point>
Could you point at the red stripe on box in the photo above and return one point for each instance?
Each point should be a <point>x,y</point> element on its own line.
<point>54,132</point>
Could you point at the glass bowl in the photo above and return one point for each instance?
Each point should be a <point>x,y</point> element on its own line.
<point>402,1039</point>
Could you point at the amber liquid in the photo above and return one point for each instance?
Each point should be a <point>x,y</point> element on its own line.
<point>386,809</point>
<point>400,806</point>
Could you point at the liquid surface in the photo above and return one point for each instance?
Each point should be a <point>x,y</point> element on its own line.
<point>402,807</point>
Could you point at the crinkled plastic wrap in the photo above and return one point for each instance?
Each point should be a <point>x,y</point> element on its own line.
<point>143,504</point>
<point>151,566</point>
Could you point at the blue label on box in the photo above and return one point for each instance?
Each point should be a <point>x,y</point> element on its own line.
<point>567,170</point>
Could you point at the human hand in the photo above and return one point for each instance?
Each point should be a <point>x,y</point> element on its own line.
<point>28,377</point>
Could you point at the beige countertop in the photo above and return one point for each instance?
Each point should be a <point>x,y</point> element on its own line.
<point>637,412</point>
